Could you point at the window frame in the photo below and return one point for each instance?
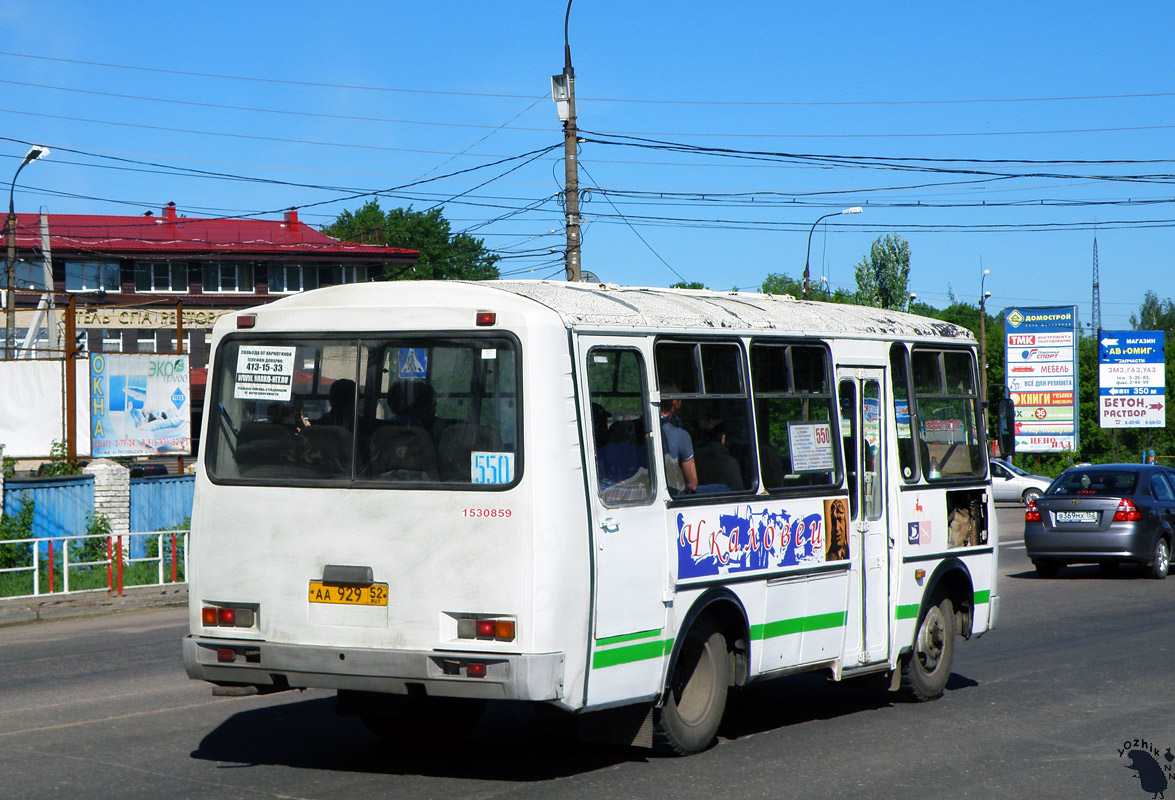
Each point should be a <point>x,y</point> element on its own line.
<point>944,393</point>
<point>102,270</point>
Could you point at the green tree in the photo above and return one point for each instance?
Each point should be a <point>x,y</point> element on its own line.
<point>883,275</point>
<point>779,284</point>
<point>444,255</point>
<point>687,285</point>
<point>1154,314</point>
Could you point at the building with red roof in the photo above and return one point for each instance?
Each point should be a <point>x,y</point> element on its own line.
<point>147,263</point>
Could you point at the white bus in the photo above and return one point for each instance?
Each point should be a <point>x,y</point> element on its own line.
<point>427,495</point>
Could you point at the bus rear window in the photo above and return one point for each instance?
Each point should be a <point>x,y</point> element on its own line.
<point>400,411</point>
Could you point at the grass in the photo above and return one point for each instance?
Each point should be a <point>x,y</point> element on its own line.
<point>81,578</point>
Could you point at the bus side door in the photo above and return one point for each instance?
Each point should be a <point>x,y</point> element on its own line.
<point>863,427</point>
<point>628,524</point>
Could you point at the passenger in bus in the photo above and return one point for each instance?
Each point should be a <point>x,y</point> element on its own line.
<point>680,471</point>
<point>341,397</point>
<point>414,404</point>
<point>717,469</point>
<point>289,414</point>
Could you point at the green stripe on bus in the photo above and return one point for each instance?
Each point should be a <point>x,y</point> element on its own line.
<point>786,627</point>
<point>906,612</point>
<point>627,637</point>
<point>982,597</point>
<point>631,653</point>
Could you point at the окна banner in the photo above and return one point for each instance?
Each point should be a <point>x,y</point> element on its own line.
<point>140,404</point>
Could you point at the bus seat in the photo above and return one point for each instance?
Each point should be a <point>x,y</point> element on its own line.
<point>403,453</point>
<point>264,449</point>
<point>328,449</point>
<point>456,445</point>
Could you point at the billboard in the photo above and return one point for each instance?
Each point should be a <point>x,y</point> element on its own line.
<point>140,404</point>
<point>1132,383</point>
<point>1040,365</point>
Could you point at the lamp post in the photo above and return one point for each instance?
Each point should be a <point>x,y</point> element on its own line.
<point>808,258</point>
<point>35,152</point>
<point>983,337</point>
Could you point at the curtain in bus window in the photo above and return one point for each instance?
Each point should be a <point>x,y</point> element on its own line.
<point>620,425</point>
<point>949,438</point>
<point>793,415</point>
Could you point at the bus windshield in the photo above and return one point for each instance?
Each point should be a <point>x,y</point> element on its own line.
<point>384,411</point>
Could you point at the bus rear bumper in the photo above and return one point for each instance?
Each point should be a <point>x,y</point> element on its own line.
<point>266,665</point>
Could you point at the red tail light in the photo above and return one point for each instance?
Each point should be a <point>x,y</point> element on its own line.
<point>1127,512</point>
<point>1031,514</point>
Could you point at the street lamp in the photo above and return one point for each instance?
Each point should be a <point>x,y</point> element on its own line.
<point>808,258</point>
<point>983,337</point>
<point>35,152</point>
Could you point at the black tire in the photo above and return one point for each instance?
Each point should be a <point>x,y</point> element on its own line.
<point>926,668</point>
<point>1160,560</point>
<point>425,720</point>
<point>695,698</point>
<point>1046,569</point>
<point>1029,495</point>
<point>1108,567</point>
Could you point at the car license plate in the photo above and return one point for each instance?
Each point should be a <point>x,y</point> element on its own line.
<point>1076,516</point>
<point>349,595</point>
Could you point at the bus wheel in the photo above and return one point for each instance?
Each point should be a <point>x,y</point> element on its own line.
<point>927,666</point>
<point>696,698</point>
<point>421,721</point>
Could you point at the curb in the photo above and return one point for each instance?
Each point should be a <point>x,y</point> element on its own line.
<point>27,610</point>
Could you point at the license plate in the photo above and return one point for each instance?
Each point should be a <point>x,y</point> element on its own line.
<point>1076,516</point>
<point>342,594</point>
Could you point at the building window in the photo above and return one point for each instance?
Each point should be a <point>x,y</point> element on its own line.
<point>31,275</point>
<point>289,278</point>
<point>161,276</point>
<point>343,273</point>
<point>91,276</point>
<point>228,277</point>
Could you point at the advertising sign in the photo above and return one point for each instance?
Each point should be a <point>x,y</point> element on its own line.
<point>140,404</point>
<point>1040,362</point>
<point>1132,382</point>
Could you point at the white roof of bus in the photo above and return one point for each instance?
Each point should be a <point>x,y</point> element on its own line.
<point>592,305</point>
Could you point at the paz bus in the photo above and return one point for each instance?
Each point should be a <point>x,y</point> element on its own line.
<point>428,495</point>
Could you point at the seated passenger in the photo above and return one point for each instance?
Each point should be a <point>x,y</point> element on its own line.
<point>342,404</point>
<point>414,404</point>
<point>718,470</point>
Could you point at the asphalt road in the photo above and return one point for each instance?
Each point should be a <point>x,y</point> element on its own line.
<point>100,707</point>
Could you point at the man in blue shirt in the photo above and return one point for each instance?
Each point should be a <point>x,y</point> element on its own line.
<point>680,471</point>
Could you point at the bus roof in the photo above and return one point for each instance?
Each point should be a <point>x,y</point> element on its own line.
<point>607,306</point>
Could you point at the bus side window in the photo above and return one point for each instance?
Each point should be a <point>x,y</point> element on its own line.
<point>619,425</point>
<point>793,397</point>
<point>899,360</point>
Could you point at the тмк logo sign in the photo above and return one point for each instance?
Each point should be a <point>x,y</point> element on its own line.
<point>1152,769</point>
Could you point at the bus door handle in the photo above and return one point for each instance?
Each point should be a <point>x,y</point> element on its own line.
<point>609,525</point>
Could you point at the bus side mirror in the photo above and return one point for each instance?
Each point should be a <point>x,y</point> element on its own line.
<point>1006,426</point>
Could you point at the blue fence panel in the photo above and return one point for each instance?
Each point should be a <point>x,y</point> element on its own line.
<point>159,504</point>
<point>62,505</point>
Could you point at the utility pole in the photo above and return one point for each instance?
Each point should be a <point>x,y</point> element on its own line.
<point>35,152</point>
<point>563,93</point>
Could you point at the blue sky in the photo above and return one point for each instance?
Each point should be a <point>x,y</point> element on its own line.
<point>306,103</point>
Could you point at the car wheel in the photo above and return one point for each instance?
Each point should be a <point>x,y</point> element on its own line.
<point>1029,496</point>
<point>1047,569</point>
<point>1160,560</point>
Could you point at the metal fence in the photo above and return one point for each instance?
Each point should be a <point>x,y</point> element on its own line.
<point>58,565</point>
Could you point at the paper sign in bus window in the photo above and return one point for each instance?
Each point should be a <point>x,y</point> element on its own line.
<point>265,373</point>
<point>491,467</point>
<point>810,445</point>
<point>413,362</point>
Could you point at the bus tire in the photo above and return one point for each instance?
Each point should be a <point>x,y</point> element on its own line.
<point>421,721</point>
<point>695,698</point>
<point>1046,568</point>
<point>926,668</point>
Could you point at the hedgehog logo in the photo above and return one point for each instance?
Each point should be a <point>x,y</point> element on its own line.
<point>1150,774</point>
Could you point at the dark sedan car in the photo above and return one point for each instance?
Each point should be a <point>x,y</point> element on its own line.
<point>1104,514</point>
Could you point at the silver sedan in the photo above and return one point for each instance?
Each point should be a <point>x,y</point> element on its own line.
<point>1010,484</point>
